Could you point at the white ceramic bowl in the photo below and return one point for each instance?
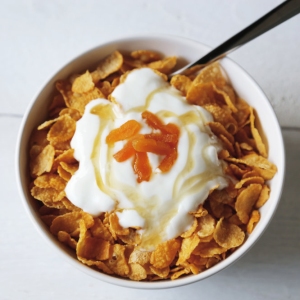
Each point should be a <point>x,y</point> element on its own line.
<point>187,51</point>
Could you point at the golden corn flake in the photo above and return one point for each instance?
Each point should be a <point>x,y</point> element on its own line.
<point>234,219</point>
<point>73,113</point>
<point>66,238</point>
<point>226,143</point>
<point>47,124</point>
<point>98,230</point>
<point>263,197</point>
<point>107,66</point>
<point>165,253</point>
<point>223,115</point>
<point>140,257</point>
<point>243,112</point>
<point>50,181</point>
<point>66,157</point>
<point>68,205</point>
<point>264,167</point>
<point>47,194</point>
<point>191,230</point>
<point>218,129</point>
<point>132,238</point>
<point>146,56</point>
<point>228,235</point>
<point>187,247</point>
<point>246,146</point>
<point>201,94</point>
<point>209,249</point>
<point>211,73</point>
<point>212,261</point>
<point>181,83</point>
<point>97,263</point>
<point>246,200</point>
<point>69,222</point>
<point>238,170</point>
<point>200,212</point>
<point>193,268</point>
<point>165,65</point>
<point>62,130</point>
<point>197,260</point>
<point>137,272</point>
<point>105,87</point>
<point>63,173</point>
<point>42,162</point>
<point>71,168</point>
<point>60,146</point>
<point>254,219</point>
<point>217,208</point>
<point>83,83</point>
<point>228,94</point>
<point>118,262</point>
<point>248,180</point>
<point>266,174</point>
<point>162,273</point>
<point>206,226</point>
<point>95,248</point>
<point>75,100</point>
<point>258,140</point>
<point>223,154</point>
<point>179,273</point>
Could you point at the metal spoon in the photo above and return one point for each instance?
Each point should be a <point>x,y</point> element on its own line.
<point>278,15</point>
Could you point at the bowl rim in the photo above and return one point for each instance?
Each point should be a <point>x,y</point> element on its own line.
<point>122,281</point>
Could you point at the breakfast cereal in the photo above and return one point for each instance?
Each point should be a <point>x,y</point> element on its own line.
<point>109,239</point>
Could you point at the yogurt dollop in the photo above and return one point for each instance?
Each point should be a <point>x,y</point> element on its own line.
<point>159,207</point>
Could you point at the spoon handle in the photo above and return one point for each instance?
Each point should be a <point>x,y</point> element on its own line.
<point>279,14</point>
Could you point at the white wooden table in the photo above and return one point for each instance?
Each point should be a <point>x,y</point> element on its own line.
<point>37,37</point>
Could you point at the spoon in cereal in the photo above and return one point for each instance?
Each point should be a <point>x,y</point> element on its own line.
<point>278,15</point>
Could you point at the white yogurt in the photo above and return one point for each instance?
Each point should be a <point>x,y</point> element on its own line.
<point>160,206</point>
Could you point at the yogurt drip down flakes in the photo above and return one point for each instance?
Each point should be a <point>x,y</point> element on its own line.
<point>119,239</point>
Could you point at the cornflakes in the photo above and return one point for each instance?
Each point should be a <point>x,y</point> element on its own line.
<point>219,225</point>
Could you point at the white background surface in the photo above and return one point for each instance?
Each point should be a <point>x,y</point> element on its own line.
<point>37,37</point>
